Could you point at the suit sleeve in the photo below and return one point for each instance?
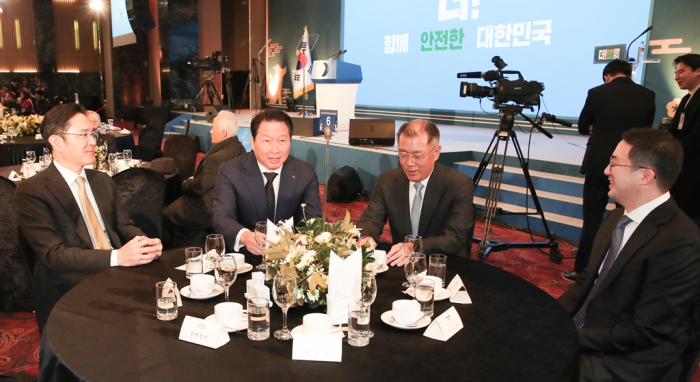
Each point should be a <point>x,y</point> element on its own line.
<point>374,216</point>
<point>585,120</point>
<point>652,110</point>
<point>458,223</point>
<point>225,220</point>
<point>312,197</point>
<point>669,291</point>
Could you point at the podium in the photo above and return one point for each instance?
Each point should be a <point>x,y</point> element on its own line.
<point>336,88</point>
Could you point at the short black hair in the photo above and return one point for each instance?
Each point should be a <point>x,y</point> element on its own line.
<point>691,59</point>
<point>617,67</point>
<point>657,150</point>
<point>15,79</point>
<point>418,126</point>
<point>270,115</point>
<point>56,120</point>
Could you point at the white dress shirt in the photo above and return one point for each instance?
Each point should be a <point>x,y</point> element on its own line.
<point>412,192</point>
<point>70,178</point>
<point>275,185</point>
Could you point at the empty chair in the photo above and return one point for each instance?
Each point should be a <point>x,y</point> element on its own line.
<point>184,151</point>
<point>16,286</point>
<point>142,192</point>
<point>149,144</point>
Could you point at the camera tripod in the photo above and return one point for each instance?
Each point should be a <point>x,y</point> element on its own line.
<point>209,90</point>
<point>505,134</point>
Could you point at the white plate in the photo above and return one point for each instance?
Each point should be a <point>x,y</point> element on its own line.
<point>300,329</point>
<point>382,269</point>
<point>444,295</point>
<point>186,292</point>
<point>245,268</point>
<point>242,324</point>
<point>387,317</point>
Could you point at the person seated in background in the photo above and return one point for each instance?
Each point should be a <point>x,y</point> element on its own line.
<point>42,104</point>
<point>94,118</point>
<point>11,103</point>
<point>13,86</point>
<point>422,197</point>
<point>188,219</point>
<point>634,302</point>
<point>3,93</point>
<point>38,85</point>
<point>27,103</point>
<point>71,217</point>
<point>266,184</point>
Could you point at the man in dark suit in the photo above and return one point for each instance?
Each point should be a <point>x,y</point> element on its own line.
<point>71,217</point>
<point>265,184</point>
<point>188,218</point>
<point>633,304</point>
<point>686,128</point>
<point>610,110</point>
<point>422,197</point>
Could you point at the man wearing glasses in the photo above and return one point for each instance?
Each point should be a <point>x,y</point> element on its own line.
<point>71,217</point>
<point>422,197</point>
<point>633,304</point>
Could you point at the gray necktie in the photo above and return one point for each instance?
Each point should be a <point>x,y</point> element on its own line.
<point>415,209</point>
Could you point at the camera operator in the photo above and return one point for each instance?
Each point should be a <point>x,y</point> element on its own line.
<point>609,111</point>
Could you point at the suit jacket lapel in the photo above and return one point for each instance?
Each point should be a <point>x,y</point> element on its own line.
<point>60,189</point>
<point>256,186</point>
<point>403,205</point>
<point>432,194</point>
<point>691,108</point>
<point>287,190</point>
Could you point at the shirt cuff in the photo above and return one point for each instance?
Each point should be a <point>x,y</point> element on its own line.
<point>237,245</point>
<point>114,260</point>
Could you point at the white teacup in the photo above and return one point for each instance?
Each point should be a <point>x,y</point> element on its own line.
<point>202,285</point>
<point>406,311</point>
<point>438,285</point>
<point>379,256</point>
<point>319,323</point>
<point>240,260</point>
<point>228,313</point>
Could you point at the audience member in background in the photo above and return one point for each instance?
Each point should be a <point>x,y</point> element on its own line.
<point>686,128</point>
<point>609,111</point>
<point>267,183</point>
<point>24,83</point>
<point>632,305</point>
<point>94,118</point>
<point>27,103</point>
<point>11,103</point>
<point>188,219</point>
<point>71,217</point>
<point>42,104</point>
<point>38,85</point>
<point>3,93</point>
<point>422,197</point>
<point>13,86</point>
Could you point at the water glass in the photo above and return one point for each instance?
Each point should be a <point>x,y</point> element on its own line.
<point>127,157</point>
<point>412,244</point>
<point>424,292</point>
<point>258,318</point>
<point>415,269</point>
<point>31,157</point>
<point>358,325</point>
<point>193,261</point>
<point>113,168</point>
<point>11,133</point>
<point>261,240</point>
<point>226,272</point>
<point>166,300</point>
<point>214,247</point>
<point>47,154</point>
<point>437,266</point>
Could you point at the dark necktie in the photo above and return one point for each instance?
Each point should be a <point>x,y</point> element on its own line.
<point>270,195</point>
<point>607,264</point>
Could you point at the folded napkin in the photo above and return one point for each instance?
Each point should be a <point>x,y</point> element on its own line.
<point>14,176</point>
<point>169,285</point>
<point>341,280</point>
<point>38,137</point>
<point>125,131</point>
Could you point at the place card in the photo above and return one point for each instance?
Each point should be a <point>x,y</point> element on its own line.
<point>457,295</point>
<point>37,137</point>
<point>445,326</point>
<point>317,347</point>
<point>201,332</point>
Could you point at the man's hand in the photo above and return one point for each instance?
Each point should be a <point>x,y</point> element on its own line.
<point>367,241</point>
<point>248,239</point>
<point>140,250</point>
<point>395,256</point>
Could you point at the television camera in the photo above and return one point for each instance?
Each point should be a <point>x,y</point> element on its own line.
<point>211,64</point>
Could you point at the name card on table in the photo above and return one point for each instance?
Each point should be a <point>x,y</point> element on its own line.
<point>206,333</point>
<point>317,347</point>
<point>457,295</point>
<point>445,326</point>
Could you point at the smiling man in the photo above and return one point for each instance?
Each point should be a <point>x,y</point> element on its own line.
<point>267,183</point>
<point>422,197</point>
<point>71,217</point>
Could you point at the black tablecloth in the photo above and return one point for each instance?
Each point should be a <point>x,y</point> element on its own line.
<point>105,329</point>
<point>12,153</point>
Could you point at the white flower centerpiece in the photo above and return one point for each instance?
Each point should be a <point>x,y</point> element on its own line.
<point>306,253</point>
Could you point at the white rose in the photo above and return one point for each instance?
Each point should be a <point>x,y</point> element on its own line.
<point>323,238</point>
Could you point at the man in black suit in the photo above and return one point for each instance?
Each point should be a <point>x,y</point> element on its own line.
<point>633,304</point>
<point>71,217</point>
<point>422,197</point>
<point>188,219</point>
<point>686,128</point>
<point>610,110</point>
<point>265,184</point>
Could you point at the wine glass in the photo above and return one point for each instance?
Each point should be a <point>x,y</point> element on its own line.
<point>411,244</point>
<point>113,165</point>
<point>415,269</point>
<point>284,292</point>
<point>261,239</point>
<point>364,292</point>
<point>226,272</point>
<point>127,157</point>
<point>47,154</point>
<point>11,133</point>
<point>31,157</point>
<point>215,247</point>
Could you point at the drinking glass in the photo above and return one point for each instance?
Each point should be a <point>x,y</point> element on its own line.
<point>437,266</point>
<point>415,269</point>
<point>261,239</point>
<point>44,162</point>
<point>166,300</point>
<point>284,292</point>
<point>412,244</point>
<point>358,325</point>
<point>215,247</point>
<point>31,157</point>
<point>113,168</point>
<point>11,133</point>
<point>425,294</point>
<point>258,318</point>
<point>365,292</point>
<point>127,157</point>
<point>193,261</point>
<point>47,154</point>
<point>226,272</point>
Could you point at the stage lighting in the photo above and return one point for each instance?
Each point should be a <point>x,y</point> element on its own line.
<point>96,5</point>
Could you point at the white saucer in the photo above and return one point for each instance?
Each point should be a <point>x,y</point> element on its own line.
<point>382,269</point>
<point>245,268</point>
<point>186,292</point>
<point>387,317</point>
<point>444,295</point>
<point>242,324</point>
<point>300,329</point>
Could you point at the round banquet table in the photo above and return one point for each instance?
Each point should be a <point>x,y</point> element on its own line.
<point>12,153</point>
<point>105,329</point>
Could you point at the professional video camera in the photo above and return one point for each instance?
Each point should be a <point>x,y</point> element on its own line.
<point>521,92</point>
<point>212,64</point>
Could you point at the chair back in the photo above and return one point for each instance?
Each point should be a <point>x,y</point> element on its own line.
<point>110,140</point>
<point>158,122</point>
<point>142,192</point>
<point>184,151</point>
<point>149,143</point>
<point>15,273</point>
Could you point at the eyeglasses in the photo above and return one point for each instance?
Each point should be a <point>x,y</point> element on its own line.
<point>612,165</point>
<point>93,134</point>
<point>416,158</point>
